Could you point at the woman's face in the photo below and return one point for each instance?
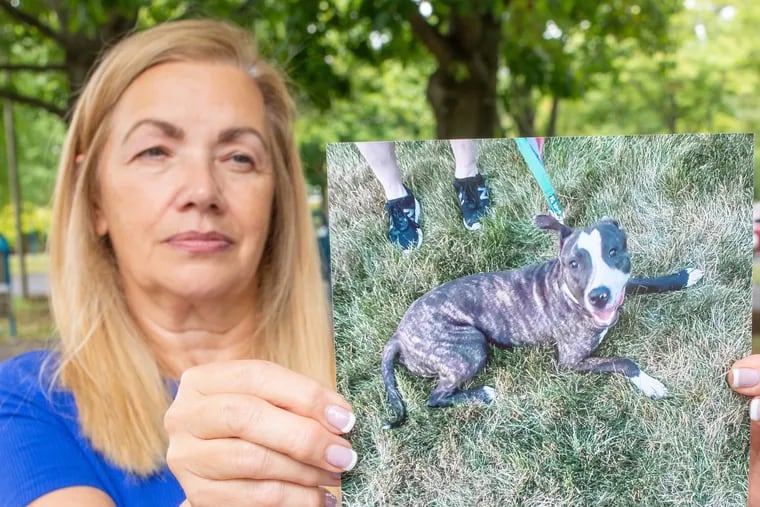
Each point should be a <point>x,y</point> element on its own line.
<point>186,181</point>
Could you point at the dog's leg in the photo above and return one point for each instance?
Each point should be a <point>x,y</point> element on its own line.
<point>446,395</point>
<point>458,364</point>
<point>677,281</point>
<point>648,385</point>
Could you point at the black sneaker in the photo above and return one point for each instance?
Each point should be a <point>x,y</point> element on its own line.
<point>404,214</point>
<point>473,200</point>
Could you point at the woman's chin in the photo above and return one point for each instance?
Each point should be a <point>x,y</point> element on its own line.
<point>214,288</point>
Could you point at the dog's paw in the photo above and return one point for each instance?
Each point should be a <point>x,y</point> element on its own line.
<point>649,386</point>
<point>489,394</point>
<point>695,275</point>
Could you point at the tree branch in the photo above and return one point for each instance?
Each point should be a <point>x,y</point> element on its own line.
<point>32,21</point>
<point>32,101</point>
<point>430,38</point>
<point>23,67</point>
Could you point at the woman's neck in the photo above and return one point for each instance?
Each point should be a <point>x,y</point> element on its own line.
<point>184,334</point>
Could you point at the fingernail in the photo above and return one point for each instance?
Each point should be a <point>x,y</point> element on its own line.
<point>754,409</point>
<point>340,418</point>
<point>341,457</point>
<point>330,500</point>
<point>336,475</point>
<point>744,377</point>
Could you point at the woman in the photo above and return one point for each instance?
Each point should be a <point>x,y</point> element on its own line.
<point>196,361</point>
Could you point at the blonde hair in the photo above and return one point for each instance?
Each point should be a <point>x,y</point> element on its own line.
<point>103,358</point>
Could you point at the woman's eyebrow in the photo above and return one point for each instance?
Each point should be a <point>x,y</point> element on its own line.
<point>231,134</point>
<point>167,128</point>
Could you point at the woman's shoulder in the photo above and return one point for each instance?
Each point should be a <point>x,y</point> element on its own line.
<point>28,387</point>
<point>27,372</point>
<point>25,362</point>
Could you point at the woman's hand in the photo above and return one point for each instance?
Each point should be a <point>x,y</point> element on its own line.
<point>744,378</point>
<point>254,433</point>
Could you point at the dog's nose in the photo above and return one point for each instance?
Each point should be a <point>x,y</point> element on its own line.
<point>599,296</point>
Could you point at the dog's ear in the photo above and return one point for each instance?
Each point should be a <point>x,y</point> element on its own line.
<point>551,223</point>
<point>612,221</point>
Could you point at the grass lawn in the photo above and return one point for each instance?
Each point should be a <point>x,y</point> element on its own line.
<point>33,320</point>
<point>552,436</point>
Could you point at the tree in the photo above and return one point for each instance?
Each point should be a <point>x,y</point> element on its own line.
<point>509,54</point>
<point>49,47</point>
<point>74,33</point>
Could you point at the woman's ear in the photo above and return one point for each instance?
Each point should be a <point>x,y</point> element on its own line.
<point>101,225</point>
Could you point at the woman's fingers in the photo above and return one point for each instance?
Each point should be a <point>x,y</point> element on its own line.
<point>259,422</point>
<point>744,376</point>
<point>754,463</point>
<point>271,382</point>
<point>244,493</point>
<point>225,459</point>
<point>254,433</point>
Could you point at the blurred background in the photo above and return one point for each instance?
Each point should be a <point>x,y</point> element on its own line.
<point>388,69</point>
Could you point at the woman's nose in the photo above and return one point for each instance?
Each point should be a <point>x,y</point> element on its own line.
<point>201,186</point>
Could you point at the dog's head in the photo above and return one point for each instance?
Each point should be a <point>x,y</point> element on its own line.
<point>595,266</point>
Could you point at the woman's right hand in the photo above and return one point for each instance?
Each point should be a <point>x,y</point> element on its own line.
<point>252,432</point>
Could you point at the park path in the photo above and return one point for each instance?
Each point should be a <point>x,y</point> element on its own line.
<point>39,284</point>
<point>12,348</point>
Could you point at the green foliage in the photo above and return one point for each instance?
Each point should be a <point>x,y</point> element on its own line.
<point>546,49</point>
<point>385,103</point>
<point>701,85</point>
<point>33,218</point>
<point>360,71</point>
<point>39,136</point>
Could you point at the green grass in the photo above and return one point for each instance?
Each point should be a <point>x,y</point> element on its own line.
<point>33,320</point>
<point>555,437</point>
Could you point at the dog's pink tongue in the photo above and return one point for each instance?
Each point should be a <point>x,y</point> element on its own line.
<point>604,316</point>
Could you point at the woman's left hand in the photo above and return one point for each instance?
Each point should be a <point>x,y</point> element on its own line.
<point>744,378</point>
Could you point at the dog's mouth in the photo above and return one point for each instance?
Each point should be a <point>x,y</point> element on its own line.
<point>606,317</point>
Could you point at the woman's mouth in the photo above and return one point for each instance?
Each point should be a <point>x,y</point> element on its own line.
<point>200,242</point>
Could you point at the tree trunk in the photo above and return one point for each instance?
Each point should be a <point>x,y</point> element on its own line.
<point>463,109</point>
<point>551,127</point>
<point>10,143</point>
<point>671,112</point>
<point>81,52</point>
<point>462,90</point>
<point>522,110</point>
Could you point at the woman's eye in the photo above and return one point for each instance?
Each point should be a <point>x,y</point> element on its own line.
<point>241,161</point>
<point>613,252</point>
<point>153,152</point>
<point>239,158</point>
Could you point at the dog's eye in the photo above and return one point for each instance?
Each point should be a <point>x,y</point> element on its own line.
<point>613,252</point>
<point>573,264</point>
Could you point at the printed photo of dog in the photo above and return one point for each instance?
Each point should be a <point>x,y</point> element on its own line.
<point>562,384</point>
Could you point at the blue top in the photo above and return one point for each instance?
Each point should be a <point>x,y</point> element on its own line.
<point>42,447</point>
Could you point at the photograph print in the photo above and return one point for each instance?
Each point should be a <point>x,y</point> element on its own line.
<point>543,321</point>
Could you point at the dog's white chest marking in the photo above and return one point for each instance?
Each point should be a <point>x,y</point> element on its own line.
<point>602,274</point>
<point>600,337</point>
<point>649,386</point>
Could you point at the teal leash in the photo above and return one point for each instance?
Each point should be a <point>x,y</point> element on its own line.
<point>536,166</point>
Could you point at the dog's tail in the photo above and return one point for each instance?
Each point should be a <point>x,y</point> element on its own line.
<point>676,281</point>
<point>391,351</point>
